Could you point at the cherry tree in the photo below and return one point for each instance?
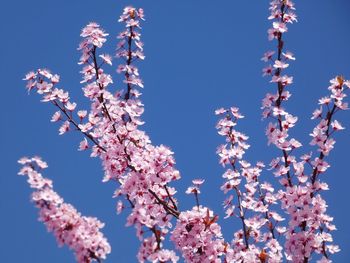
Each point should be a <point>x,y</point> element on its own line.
<point>284,219</point>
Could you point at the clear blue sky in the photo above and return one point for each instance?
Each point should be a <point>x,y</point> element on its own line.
<point>200,55</point>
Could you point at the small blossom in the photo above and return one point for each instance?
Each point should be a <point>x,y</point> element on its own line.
<point>336,125</point>
<point>317,113</point>
<point>220,111</point>
<point>280,27</point>
<point>198,182</point>
<point>30,76</point>
<point>45,72</point>
<point>267,70</point>
<point>83,145</point>
<point>82,114</point>
<point>56,116</point>
<point>280,64</point>
<point>288,55</point>
<point>64,128</point>
<point>267,56</point>
<point>70,106</point>
<point>105,80</point>
<point>324,101</point>
<point>106,58</point>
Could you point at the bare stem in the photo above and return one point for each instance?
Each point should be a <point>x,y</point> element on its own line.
<point>169,209</point>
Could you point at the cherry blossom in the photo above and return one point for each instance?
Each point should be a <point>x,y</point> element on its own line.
<point>282,220</point>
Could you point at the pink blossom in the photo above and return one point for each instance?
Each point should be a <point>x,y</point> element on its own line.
<point>55,79</point>
<point>324,100</point>
<point>64,128</point>
<point>82,114</point>
<point>280,64</point>
<point>106,58</point>
<point>44,87</point>
<point>288,55</point>
<point>105,80</point>
<point>317,113</point>
<point>45,72</point>
<point>198,182</point>
<point>267,70</point>
<point>70,106</point>
<point>267,56</point>
<point>337,126</point>
<point>83,145</point>
<point>280,27</point>
<point>56,116</point>
<point>30,76</point>
<point>220,111</point>
<point>85,127</point>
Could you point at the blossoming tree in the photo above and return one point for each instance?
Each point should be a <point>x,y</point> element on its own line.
<point>282,220</point>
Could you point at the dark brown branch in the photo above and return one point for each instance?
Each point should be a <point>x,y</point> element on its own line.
<point>321,156</point>
<point>241,211</point>
<point>167,208</point>
<point>280,88</point>
<point>75,124</point>
<point>128,63</point>
<point>242,217</point>
<point>100,99</point>
<point>157,236</point>
<point>266,215</point>
<point>170,197</point>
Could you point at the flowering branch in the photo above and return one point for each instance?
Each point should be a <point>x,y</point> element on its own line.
<point>250,198</point>
<point>78,232</point>
<point>282,12</point>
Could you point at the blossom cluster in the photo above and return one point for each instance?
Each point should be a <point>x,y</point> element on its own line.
<point>82,234</point>
<point>198,236</point>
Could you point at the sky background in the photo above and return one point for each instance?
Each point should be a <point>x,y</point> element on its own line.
<point>200,55</point>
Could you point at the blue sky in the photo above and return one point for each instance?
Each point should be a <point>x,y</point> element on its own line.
<point>200,55</point>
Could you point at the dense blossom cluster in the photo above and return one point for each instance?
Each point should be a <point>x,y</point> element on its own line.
<point>198,236</point>
<point>293,215</point>
<point>82,234</point>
